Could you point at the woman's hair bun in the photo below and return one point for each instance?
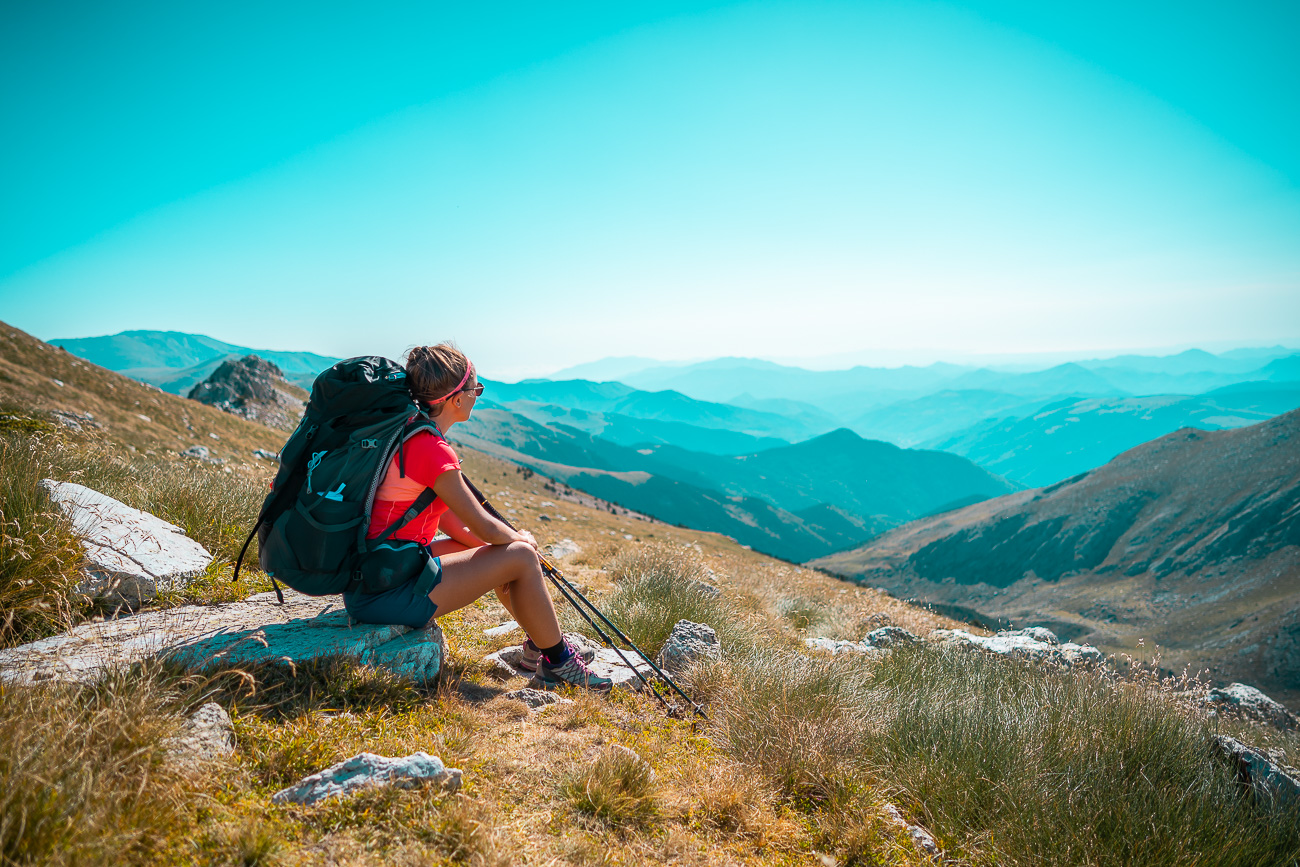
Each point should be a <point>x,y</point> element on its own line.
<point>432,372</point>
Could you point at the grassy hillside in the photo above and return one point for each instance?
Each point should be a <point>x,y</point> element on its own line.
<point>1003,762</point>
<point>1190,542</point>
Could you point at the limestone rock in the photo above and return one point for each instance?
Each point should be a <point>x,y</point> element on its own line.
<point>252,388</point>
<point>688,643</point>
<point>1249,702</point>
<point>266,455</point>
<point>130,554</point>
<point>1037,633</point>
<point>537,699</point>
<point>1263,778</point>
<point>207,734</point>
<point>367,770</point>
<point>249,631</point>
<point>1023,646</point>
<point>890,636</point>
<point>504,629</point>
<point>836,646</point>
<point>561,549</point>
<point>920,837</point>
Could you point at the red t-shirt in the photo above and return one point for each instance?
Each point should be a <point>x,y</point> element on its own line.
<point>427,457</point>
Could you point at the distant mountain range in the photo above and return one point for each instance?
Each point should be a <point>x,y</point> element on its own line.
<point>176,362</point>
<point>818,496</point>
<point>1191,541</point>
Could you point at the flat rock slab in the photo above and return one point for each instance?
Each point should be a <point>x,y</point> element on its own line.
<point>130,554</point>
<point>1247,701</point>
<point>368,770</point>
<point>250,631</point>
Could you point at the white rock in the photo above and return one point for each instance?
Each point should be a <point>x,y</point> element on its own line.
<point>265,455</point>
<point>561,549</point>
<point>1038,633</point>
<point>890,636</point>
<point>504,629</point>
<point>1022,646</point>
<point>836,646</point>
<point>367,770</point>
<point>207,734</point>
<point>253,630</point>
<point>1249,702</point>
<point>920,837</point>
<point>130,554</point>
<point>1258,774</point>
<point>688,643</point>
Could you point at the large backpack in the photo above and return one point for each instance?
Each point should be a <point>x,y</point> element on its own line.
<point>311,530</point>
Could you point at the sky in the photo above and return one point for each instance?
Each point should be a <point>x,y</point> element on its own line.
<point>549,184</point>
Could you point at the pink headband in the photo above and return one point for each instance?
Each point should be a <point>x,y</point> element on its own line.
<point>464,379</point>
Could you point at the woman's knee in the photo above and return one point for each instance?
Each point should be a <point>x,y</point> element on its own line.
<point>523,556</point>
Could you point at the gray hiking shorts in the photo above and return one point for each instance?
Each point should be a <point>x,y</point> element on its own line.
<point>404,605</point>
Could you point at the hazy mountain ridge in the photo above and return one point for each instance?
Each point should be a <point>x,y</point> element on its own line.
<point>176,361</point>
<point>1191,541</point>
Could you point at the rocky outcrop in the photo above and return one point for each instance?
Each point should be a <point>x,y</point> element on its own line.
<point>253,389</point>
<point>252,631</point>
<point>687,644</point>
<point>1247,701</point>
<point>130,554</point>
<point>1021,645</point>
<point>367,771</point>
<point>1262,778</point>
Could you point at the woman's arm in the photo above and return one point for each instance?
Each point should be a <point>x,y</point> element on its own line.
<point>453,526</point>
<point>451,487</point>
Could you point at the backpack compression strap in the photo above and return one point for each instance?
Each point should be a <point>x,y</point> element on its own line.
<point>422,502</point>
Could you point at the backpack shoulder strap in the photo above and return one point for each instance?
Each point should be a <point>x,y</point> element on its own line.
<point>422,502</point>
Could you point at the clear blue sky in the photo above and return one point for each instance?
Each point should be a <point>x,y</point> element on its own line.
<point>553,183</point>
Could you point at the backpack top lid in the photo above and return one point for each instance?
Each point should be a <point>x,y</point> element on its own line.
<point>368,383</point>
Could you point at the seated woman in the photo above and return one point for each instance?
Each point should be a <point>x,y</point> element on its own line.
<point>483,553</point>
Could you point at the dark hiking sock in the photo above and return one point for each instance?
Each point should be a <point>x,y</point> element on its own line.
<point>557,655</point>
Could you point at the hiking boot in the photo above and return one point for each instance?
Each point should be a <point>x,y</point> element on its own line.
<point>572,672</point>
<point>533,654</point>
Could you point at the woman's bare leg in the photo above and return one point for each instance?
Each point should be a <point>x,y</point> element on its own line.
<point>443,547</point>
<point>467,575</point>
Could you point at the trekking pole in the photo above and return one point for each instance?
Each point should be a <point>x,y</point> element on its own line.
<point>551,572</point>
<point>566,587</point>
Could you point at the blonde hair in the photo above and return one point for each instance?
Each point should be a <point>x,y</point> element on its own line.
<point>432,372</point>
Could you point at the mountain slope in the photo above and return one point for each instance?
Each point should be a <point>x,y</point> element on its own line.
<point>1191,541</point>
<point>1072,436</point>
<point>176,361</point>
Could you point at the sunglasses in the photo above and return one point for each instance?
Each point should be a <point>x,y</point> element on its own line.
<point>476,390</point>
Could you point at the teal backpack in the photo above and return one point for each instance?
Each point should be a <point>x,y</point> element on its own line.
<point>311,531</point>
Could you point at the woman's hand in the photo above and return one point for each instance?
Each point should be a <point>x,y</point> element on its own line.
<point>525,536</point>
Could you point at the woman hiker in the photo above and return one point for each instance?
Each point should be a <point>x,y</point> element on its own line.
<point>482,552</point>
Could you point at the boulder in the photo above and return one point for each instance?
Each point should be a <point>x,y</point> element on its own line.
<point>890,636</point>
<point>207,734</point>
<point>252,388</point>
<point>1245,700</point>
<point>561,549</point>
<point>1261,777</point>
<point>687,644</point>
<point>130,554</point>
<point>253,630</point>
<point>368,770</point>
<point>1022,646</point>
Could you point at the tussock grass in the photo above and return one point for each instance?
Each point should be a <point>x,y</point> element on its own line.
<point>618,787</point>
<point>39,555</point>
<point>1003,760</point>
<point>82,774</point>
<point>654,587</point>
